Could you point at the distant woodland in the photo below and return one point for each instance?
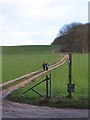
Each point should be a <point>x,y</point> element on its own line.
<point>73,37</point>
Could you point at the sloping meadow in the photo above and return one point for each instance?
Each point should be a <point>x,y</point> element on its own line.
<point>21,60</point>
<point>60,80</point>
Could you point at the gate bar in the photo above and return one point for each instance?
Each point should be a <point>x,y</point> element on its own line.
<point>37,92</point>
<point>33,86</point>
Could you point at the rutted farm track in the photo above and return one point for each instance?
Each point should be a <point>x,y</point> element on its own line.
<point>29,77</point>
<point>18,110</point>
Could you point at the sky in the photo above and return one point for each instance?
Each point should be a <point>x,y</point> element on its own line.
<point>37,22</point>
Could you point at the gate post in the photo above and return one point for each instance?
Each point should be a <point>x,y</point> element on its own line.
<point>50,85</point>
<point>47,86</point>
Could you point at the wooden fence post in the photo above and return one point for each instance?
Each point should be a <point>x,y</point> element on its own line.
<point>70,73</point>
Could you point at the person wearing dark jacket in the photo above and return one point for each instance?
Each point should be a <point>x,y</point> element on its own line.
<point>43,65</point>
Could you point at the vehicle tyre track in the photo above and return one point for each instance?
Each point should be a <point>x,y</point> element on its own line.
<point>25,82</point>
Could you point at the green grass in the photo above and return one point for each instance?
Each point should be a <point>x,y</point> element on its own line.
<point>20,60</point>
<point>80,74</point>
<point>59,86</point>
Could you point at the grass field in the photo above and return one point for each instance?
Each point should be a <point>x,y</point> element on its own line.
<point>59,82</point>
<point>20,60</point>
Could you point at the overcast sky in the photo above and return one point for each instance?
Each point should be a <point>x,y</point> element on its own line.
<point>37,22</point>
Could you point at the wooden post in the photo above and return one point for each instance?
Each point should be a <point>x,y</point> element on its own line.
<point>47,86</point>
<point>50,85</point>
<point>70,73</point>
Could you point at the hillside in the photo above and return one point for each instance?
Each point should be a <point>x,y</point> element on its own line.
<point>73,37</point>
<point>20,60</point>
<point>34,49</point>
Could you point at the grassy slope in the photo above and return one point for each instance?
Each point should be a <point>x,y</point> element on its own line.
<point>60,80</point>
<point>20,60</point>
<point>80,74</point>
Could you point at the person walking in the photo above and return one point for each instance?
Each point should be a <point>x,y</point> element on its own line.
<point>43,65</point>
<point>46,65</point>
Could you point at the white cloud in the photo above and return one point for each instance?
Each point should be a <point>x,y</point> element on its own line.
<point>38,21</point>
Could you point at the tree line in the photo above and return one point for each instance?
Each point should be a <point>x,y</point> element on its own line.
<point>73,37</point>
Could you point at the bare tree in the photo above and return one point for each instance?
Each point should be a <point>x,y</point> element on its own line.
<point>74,37</point>
<point>66,28</point>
